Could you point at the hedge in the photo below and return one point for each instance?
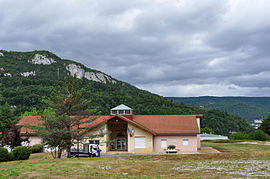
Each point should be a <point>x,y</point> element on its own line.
<point>256,135</point>
<point>21,153</point>
<point>37,148</point>
<point>3,154</point>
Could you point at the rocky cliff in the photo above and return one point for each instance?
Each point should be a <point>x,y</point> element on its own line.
<point>34,63</point>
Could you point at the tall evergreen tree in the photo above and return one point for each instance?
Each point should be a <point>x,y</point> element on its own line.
<point>15,136</point>
<point>70,108</point>
<point>6,119</point>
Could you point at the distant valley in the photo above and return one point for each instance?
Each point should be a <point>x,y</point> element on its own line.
<point>249,108</point>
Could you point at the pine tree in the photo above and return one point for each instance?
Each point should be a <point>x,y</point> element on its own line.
<point>6,119</point>
<point>15,139</point>
<point>70,107</point>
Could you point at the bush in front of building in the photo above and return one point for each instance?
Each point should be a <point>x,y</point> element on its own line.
<point>21,153</point>
<point>3,154</point>
<point>10,156</point>
<point>171,147</point>
<point>37,148</point>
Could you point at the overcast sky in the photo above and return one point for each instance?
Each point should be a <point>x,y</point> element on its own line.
<point>169,47</point>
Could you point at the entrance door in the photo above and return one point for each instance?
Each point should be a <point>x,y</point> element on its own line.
<point>121,144</point>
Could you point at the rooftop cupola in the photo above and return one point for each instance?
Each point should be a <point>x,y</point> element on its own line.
<point>121,110</point>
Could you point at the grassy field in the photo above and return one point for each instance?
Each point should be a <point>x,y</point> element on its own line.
<point>236,160</point>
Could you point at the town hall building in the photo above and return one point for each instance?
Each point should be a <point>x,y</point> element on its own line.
<point>123,131</point>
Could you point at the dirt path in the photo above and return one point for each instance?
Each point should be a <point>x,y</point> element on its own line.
<point>208,150</point>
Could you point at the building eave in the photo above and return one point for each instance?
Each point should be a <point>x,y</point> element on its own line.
<point>177,134</point>
<point>138,125</point>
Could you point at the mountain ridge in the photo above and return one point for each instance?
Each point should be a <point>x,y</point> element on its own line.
<point>41,57</point>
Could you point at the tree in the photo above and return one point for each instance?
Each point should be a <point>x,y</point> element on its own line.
<point>6,119</point>
<point>258,135</point>
<point>54,134</point>
<point>239,136</point>
<point>0,92</point>
<point>63,128</point>
<point>15,136</point>
<point>36,112</point>
<point>265,126</point>
<point>207,130</point>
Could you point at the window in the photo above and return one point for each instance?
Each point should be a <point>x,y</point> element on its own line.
<point>185,141</point>
<point>127,112</point>
<point>114,111</point>
<point>94,142</point>
<point>121,111</point>
<point>140,142</point>
<point>163,143</point>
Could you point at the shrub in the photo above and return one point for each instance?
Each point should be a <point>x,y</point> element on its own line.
<point>3,154</point>
<point>207,130</point>
<point>10,156</point>
<point>258,135</point>
<point>37,148</point>
<point>239,136</point>
<point>21,153</point>
<point>171,147</point>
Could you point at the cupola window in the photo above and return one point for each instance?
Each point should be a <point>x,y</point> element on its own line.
<point>122,110</point>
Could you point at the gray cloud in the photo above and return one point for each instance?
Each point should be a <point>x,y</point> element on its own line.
<point>170,47</point>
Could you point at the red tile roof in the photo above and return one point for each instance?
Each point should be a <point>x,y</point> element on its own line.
<point>30,120</point>
<point>102,119</point>
<point>169,124</point>
<point>154,124</point>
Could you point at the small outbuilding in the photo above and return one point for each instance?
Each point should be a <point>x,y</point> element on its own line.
<point>213,137</point>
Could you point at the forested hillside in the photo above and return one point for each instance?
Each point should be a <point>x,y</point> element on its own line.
<point>249,108</point>
<point>28,77</point>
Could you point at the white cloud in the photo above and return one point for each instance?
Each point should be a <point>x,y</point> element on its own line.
<point>217,61</point>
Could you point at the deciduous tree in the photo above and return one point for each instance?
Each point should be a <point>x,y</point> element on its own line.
<point>265,126</point>
<point>207,130</point>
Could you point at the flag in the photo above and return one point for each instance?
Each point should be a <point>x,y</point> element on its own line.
<point>128,131</point>
<point>101,132</point>
<point>132,132</point>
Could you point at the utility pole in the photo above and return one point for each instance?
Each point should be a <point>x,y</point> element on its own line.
<point>264,128</point>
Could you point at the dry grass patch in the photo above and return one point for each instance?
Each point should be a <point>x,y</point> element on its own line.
<point>238,147</point>
<point>219,165</point>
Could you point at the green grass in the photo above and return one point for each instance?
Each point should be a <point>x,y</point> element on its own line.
<point>238,147</point>
<point>238,160</point>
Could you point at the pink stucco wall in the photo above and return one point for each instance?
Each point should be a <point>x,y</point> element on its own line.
<point>178,142</point>
<point>35,140</point>
<point>198,135</point>
<point>198,141</point>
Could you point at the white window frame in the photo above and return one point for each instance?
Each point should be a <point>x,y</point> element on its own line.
<point>164,143</point>
<point>185,142</point>
<point>140,145</point>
